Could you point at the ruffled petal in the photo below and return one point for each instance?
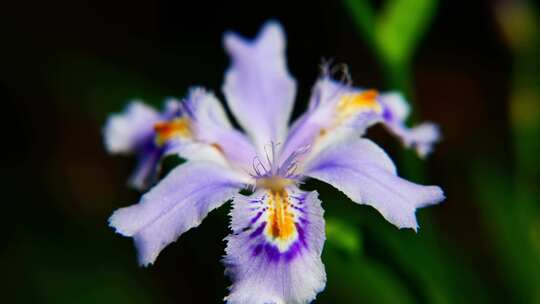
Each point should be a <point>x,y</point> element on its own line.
<point>259,89</point>
<point>364,172</point>
<point>176,204</point>
<point>274,253</point>
<point>125,132</point>
<point>421,137</point>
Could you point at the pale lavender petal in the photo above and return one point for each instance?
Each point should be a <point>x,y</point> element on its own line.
<point>421,137</point>
<point>320,119</point>
<point>328,91</point>
<point>269,265</point>
<point>196,151</point>
<point>211,126</point>
<point>176,204</point>
<point>395,106</point>
<point>259,90</point>
<point>364,172</point>
<point>125,132</point>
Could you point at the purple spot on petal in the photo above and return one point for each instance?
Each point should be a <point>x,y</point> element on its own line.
<point>302,235</point>
<point>387,115</point>
<point>253,220</point>
<point>258,231</point>
<point>272,252</point>
<point>257,250</point>
<point>293,251</point>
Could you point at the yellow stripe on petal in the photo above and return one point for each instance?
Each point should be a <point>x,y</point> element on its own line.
<point>174,129</point>
<point>281,224</point>
<point>352,104</point>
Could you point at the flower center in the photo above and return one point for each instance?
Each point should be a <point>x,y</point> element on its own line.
<point>173,129</point>
<point>274,183</point>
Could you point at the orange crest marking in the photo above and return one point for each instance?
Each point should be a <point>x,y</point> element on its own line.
<point>176,128</point>
<point>281,224</point>
<point>354,103</point>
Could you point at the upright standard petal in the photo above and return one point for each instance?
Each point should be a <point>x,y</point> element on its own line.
<point>176,204</point>
<point>364,172</point>
<point>334,108</point>
<point>211,126</point>
<point>259,90</point>
<point>127,131</point>
<point>274,253</point>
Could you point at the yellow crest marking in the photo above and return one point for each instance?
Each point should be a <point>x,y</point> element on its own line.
<point>176,128</point>
<point>281,225</point>
<point>352,104</point>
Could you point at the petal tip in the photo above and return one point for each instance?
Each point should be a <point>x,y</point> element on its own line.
<point>272,28</point>
<point>123,131</point>
<point>109,131</point>
<point>117,222</point>
<point>438,195</point>
<point>414,227</point>
<point>145,263</point>
<point>232,41</point>
<point>271,34</point>
<point>410,223</point>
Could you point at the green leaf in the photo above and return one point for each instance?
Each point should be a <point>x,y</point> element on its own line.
<point>400,26</point>
<point>362,14</point>
<point>356,279</point>
<point>353,277</point>
<point>344,236</point>
<point>393,34</point>
<point>511,216</point>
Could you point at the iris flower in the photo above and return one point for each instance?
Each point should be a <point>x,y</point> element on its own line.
<point>273,253</point>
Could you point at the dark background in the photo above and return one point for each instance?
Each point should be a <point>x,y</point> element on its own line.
<point>65,65</point>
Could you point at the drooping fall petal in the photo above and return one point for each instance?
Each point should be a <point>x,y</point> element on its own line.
<point>274,253</point>
<point>176,204</point>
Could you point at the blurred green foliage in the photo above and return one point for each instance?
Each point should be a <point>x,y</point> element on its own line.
<point>393,33</point>
<point>509,202</point>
